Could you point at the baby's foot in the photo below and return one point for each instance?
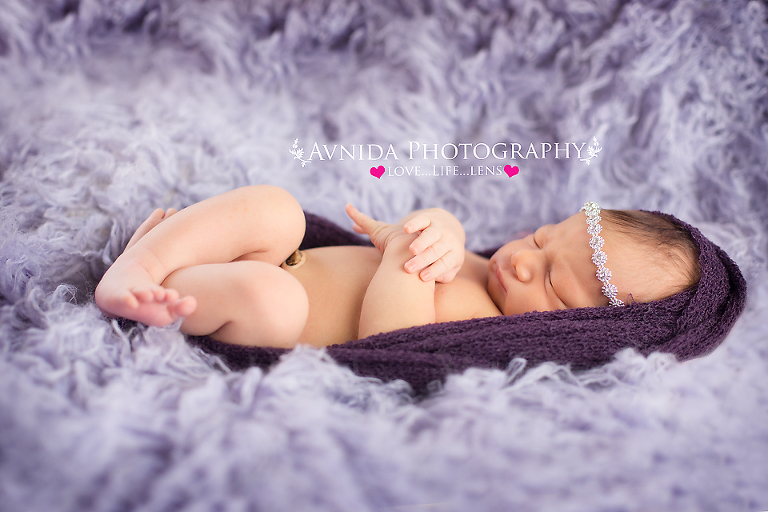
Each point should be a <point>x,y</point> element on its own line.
<point>127,291</point>
<point>155,218</point>
<point>158,306</point>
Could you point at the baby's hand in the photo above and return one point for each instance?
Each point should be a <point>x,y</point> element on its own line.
<point>439,249</point>
<point>380,232</point>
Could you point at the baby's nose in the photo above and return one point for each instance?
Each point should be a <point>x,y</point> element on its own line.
<point>521,265</point>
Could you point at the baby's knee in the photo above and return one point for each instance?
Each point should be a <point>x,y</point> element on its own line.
<point>287,313</point>
<point>291,213</point>
<point>277,309</point>
<point>283,209</point>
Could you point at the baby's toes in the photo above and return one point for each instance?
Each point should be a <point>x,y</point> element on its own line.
<point>171,295</point>
<point>143,294</point>
<point>153,220</point>
<point>148,293</point>
<point>169,212</point>
<point>160,294</point>
<point>128,299</point>
<point>184,307</point>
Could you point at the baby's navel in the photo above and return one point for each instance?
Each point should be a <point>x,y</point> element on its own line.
<point>295,260</point>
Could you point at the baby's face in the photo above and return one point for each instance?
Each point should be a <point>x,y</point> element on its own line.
<point>552,269</point>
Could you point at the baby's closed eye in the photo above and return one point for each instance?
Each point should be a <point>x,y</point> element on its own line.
<point>560,302</point>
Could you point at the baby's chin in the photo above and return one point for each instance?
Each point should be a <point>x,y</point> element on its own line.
<point>495,295</point>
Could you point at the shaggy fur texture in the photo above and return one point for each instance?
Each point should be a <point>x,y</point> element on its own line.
<point>109,109</point>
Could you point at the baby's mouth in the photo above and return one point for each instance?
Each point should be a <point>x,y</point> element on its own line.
<point>497,271</point>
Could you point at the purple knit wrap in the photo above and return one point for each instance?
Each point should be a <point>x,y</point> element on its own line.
<point>689,324</point>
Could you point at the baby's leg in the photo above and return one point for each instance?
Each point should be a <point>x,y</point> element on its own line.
<point>243,302</point>
<point>156,305</point>
<point>261,223</point>
<point>155,218</point>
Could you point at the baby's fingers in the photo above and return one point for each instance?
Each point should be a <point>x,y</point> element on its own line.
<point>428,238</point>
<point>418,223</point>
<point>448,276</point>
<point>430,254</point>
<point>438,270</point>
<point>363,223</point>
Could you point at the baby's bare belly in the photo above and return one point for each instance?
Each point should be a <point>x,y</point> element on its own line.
<point>336,279</point>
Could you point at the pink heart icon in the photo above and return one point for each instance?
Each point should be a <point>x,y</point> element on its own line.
<point>511,171</point>
<point>377,171</point>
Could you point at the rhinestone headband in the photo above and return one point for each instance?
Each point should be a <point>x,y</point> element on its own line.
<point>598,256</point>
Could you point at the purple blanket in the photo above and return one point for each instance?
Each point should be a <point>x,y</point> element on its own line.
<point>689,324</point>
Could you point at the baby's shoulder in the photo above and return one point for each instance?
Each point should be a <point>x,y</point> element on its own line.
<point>467,295</point>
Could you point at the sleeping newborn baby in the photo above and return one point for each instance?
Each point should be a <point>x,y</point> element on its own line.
<point>230,268</point>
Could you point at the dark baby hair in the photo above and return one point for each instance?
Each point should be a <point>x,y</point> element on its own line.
<point>660,234</point>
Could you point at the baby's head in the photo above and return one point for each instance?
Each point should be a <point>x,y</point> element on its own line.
<point>648,257</point>
<point>658,258</point>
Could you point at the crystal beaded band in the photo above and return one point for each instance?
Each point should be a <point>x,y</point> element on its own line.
<point>598,256</point>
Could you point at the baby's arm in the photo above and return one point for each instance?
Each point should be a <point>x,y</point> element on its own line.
<point>394,299</point>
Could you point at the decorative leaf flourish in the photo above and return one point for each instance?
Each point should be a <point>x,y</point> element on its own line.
<point>298,153</point>
<point>592,151</point>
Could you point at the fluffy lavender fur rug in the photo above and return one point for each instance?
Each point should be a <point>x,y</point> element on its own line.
<point>111,108</point>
